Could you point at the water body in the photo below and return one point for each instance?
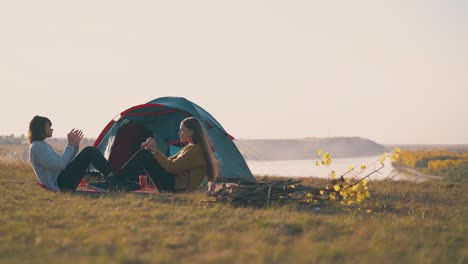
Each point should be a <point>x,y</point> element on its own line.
<point>307,168</point>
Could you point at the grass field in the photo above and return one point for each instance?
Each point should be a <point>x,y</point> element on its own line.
<point>409,223</point>
<point>19,152</point>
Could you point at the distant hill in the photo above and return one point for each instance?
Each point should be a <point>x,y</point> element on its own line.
<point>293,149</point>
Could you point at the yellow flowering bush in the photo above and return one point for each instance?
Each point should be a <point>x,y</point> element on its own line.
<point>347,190</point>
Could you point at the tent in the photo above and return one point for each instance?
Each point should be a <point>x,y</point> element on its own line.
<point>160,119</point>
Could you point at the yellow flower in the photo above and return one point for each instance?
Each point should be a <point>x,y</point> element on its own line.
<point>317,163</point>
<point>333,175</point>
<point>360,197</point>
<point>344,194</point>
<point>368,211</point>
<point>321,192</point>
<point>336,187</point>
<point>383,158</point>
<point>363,167</point>
<point>319,152</point>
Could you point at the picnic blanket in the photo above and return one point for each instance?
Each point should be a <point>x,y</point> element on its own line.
<point>83,187</point>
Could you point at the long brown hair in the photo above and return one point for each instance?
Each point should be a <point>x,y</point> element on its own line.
<point>37,128</point>
<point>199,137</point>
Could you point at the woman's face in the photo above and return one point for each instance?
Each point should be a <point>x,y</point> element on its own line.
<point>48,130</point>
<point>185,134</point>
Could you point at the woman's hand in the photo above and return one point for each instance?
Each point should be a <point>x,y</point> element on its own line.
<point>211,187</point>
<point>149,144</point>
<point>75,137</point>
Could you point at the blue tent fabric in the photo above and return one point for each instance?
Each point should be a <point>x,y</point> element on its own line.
<point>162,118</point>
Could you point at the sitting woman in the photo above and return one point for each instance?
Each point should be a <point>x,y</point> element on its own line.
<point>184,171</point>
<point>61,172</point>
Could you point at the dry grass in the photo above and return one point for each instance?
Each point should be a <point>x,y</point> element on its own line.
<point>409,223</point>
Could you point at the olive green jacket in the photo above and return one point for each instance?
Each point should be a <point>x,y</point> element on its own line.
<point>188,165</point>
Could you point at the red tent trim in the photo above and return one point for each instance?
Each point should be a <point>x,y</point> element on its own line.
<point>230,137</point>
<point>141,106</point>
<point>128,113</point>
<point>152,113</point>
<point>98,140</point>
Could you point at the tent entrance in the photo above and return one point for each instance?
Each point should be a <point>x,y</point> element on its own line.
<point>126,143</point>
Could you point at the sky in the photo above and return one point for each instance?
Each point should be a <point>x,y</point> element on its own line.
<point>395,72</point>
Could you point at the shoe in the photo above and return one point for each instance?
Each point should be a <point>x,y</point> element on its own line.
<point>99,186</point>
<point>125,186</point>
<point>115,184</point>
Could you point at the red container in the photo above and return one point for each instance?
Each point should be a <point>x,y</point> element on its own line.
<point>83,183</point>
<point>143,181</point>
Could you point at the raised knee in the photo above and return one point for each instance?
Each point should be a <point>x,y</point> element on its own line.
<point>90,149</point>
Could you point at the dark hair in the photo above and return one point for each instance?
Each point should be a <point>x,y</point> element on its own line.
<point>37,128</point>
<point>199,137</point>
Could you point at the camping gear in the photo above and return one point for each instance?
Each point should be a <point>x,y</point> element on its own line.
<point>160,119</point>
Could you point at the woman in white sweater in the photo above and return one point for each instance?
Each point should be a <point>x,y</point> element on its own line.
<point>61,172</point>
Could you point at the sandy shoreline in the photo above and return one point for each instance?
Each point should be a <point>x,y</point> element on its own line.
<point>416,176</point>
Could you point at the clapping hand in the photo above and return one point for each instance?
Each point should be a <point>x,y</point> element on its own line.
<point>75,137</point>
<point>149,144</point>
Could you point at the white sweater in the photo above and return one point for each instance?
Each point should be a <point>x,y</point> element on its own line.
<point>47,164</point>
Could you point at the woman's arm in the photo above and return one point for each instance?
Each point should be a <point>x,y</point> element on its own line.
<point>45,156</point>
<point>192,157</point>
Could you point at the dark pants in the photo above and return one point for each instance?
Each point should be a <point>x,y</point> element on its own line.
<point>143,159</point>
<point>70,177</point>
